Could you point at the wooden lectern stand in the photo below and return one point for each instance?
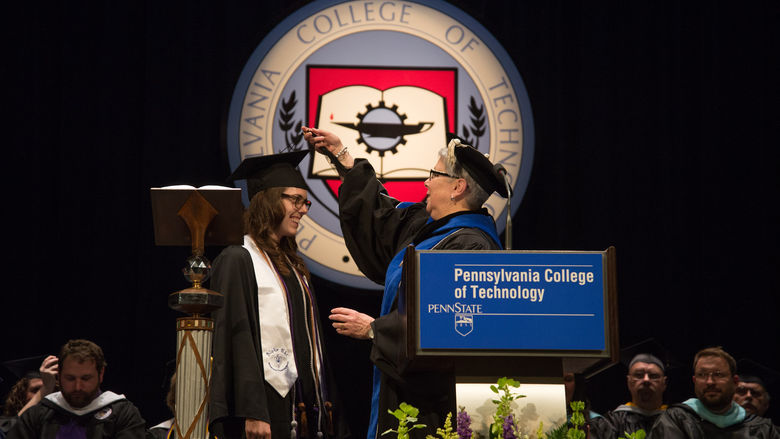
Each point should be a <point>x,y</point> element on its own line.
<point>186,216</point>
<point>527,315</point>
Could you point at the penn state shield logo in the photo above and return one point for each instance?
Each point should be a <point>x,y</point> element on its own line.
<point>464,324</point>
<point>391,79</point>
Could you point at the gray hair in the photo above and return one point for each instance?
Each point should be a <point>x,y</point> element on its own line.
<point>475,195</point>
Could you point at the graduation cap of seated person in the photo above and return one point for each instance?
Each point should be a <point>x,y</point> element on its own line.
<point>649,351</point>
<point>753,372</point>
<point>611,380</point>
<point>272,170</point>
<point>750,371</point>
<point>14,370</point>
<point>479,167</point>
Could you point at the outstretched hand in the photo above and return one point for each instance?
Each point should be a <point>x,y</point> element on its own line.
<point>49,369</point>
<point>325,140</point>
<point>351,323</point>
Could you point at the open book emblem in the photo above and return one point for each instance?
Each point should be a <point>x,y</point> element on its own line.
<point>382,128</point>
<point>464,324</point>
<point>400,117</point>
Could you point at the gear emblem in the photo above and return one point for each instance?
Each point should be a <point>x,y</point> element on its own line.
<point>382,128</point>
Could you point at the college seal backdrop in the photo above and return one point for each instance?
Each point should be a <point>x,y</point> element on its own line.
<point>391,78</point>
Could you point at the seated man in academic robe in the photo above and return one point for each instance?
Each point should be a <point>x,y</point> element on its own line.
<point>712,414</point>
<point>646,381</point>
<point>752,395</point>
<point>80,410</point>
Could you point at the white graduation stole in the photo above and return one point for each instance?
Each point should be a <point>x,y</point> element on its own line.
<point>278,356</point>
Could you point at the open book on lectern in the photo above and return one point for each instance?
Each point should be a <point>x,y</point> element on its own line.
<point>170,229</point>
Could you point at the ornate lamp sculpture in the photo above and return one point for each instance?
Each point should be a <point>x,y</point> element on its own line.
<point>189,216</point>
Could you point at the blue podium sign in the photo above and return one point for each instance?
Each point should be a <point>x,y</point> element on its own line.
<point>511,300</point>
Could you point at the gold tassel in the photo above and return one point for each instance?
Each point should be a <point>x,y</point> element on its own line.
<point>329,419</point>
<point>303,422</point>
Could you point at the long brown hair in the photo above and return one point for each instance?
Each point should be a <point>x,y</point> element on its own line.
<point>17,397</point>
<point>261,220</point>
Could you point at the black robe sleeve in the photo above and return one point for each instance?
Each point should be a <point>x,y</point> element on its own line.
<point>374,230</point>
<point>679,421</point>
<point>128,423</point>
<point>28,425</point>
<point>237,381</point>
<point>44,421</point>
<point>432,392</point>
<point>671,426</point>
<point>602,428</point>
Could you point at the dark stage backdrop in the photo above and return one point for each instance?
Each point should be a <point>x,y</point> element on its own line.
<point>653,135</point>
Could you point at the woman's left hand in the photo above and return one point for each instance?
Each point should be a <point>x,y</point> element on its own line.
<point>351,323</point>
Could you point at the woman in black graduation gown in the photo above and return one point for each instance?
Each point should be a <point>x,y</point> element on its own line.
<point>269,374</point>
<point>377,230</point>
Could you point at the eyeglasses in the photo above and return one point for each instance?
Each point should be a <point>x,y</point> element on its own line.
<point>298,201</point>
<point>755,393</point>
<point>435,173</point>
<point>716,376</point>
<point>639,375</point>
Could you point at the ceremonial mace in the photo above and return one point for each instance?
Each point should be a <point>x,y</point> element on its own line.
<point>184,215</point>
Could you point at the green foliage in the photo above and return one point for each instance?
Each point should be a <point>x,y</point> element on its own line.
<point>407,419</point>
<point>558,432</point>
<point>639,434</point>
<point>503,388</point>
<point>406,414</point>
<point>577,420</point>
<point>446,432</point>
<point>570,430</point>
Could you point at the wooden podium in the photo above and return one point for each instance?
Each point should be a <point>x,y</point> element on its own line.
<point>195,217</point>
<point>527,315</point>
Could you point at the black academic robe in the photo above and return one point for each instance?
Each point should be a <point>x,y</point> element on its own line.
<point>119,420</point>
<point>238,387</point>
<point>163,430</point>
<point>624,419</point>
<point>375,230</point>
<point>6,422</point>
<point>680,421</point>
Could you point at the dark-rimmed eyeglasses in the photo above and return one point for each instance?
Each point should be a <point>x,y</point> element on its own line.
<point>755,393</point>
<point>298,201</point>
<point>639,375</point>
<point>716,376</point>
<point>435,173</point>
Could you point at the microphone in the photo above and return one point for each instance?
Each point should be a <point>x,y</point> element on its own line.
<point>499,169</point>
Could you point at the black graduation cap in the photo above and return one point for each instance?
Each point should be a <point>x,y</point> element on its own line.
<point>649,351</point>
<point>480,169</point>
<point>14,370</point>
<point>649,347</point>
<point>750,371</point>
<point>272,170</point>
